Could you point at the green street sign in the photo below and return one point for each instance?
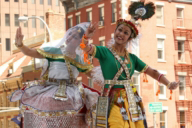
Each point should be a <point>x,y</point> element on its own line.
<point>155,107</point>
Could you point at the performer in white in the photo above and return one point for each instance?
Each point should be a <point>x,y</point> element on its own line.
<point>61,101</point>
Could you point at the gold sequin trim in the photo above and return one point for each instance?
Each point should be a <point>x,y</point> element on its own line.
<point>58,56</point>
<point>94,51</point>
<point>144,69</point>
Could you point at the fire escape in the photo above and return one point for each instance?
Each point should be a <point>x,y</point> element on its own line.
<point>182,30</point>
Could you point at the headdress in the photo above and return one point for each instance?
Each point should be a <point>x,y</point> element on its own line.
<point>137,10</point>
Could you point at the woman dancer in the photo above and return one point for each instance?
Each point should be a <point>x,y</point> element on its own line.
<point>120,106</point>
<point>60,102</point>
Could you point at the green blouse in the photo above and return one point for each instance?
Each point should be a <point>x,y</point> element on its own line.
<point>110,65</point>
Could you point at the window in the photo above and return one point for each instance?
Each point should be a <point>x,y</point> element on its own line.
<point>33,1</point>
<point>41,23</point>
<point>163,119</point>
<point>70,22</point>
<point>114,12</point>
<point>49,2</point>
<point>0,40</point>
<point>77,19</point>
<point>182,119</point>
<point>101,14</point>
<point>57,3</point>
<point>16,0</point>
<point>16,20</point>
<point>180,22</point>
<point>41,2</point>
<point>89,16</point>
<point>8,48</point>
<point>160,48</point>
<point>6,0</point>
<point>24,1</point>
<point>159,12</point>
<point>182,86</point>
<point>33,23</point>
<point>102,42</point>
<point>26,23</point>
<point>181,51</point>
<point>136,82</point>
<point>7,20</point>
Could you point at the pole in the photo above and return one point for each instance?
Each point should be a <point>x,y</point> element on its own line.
<point>50,36</point>
<point>154,120</point>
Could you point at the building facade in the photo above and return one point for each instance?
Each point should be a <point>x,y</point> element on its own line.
<point>18,69</point>
<point>11,10</point>
<point>165,45</point>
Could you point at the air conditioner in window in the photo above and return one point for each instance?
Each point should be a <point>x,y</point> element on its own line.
<point>10,71</point>
<point>101,23</point>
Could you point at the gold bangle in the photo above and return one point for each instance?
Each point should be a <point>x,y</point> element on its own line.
<point>168,86</point>
<point>19,46</point>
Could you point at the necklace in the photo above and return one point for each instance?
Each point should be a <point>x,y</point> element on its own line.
<point>126,56</point>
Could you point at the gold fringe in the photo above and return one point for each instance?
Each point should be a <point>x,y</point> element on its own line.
<point>58,56</point>
<point>144,69</point>
<point>94,52</point>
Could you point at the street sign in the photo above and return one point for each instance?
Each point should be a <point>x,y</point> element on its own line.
<point>155,107</point>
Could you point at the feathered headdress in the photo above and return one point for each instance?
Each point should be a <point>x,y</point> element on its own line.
<point>138,10</point>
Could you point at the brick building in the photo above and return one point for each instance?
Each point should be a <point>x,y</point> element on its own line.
<point>10,10</point>
<point>18,69</point>
<point>165,45</point>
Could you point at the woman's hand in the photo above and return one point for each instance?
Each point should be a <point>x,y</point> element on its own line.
<point>91,30</point>
<point>173,85</point>
<point>19,37</point>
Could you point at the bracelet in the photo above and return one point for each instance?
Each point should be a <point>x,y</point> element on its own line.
<point>159,77</point>
<point>85,37</point>
<point>90,48</point>
<point>19,46</point>
<point>169,85</point>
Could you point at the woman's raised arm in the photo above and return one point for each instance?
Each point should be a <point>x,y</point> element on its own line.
<point>27,51</point>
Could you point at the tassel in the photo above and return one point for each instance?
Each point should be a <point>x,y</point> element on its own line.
<point>158,91</point>
<point>145,78</point>
<point>82,46</point>
<point>171,92</point>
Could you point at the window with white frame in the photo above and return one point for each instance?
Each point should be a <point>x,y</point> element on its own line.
<point>159,15</point>
<point>49,2</point>
<point>25,23</point>
<point>33,23</point>
<point>101,14</point>
<point>33,1</point>
<point>7,20</point>
<point>41,1</point>
<point>160,47</point>
<point>78,19</point>
<point>182,119</point>
<point>162,87</point>
<point>163,119</point>
<point>180,21</point>
<point>181,51</point>
<point>8,44</point>
<point>136,81</point>
<point>182,86</point>
<point>102,42</point>
<point>70,22</point>
<point>89,16</point>
<point>41,23</point>
<point>114,12</point>
<point>57,2</point>
<point>16,16</point>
